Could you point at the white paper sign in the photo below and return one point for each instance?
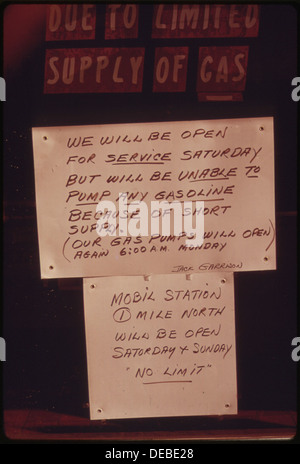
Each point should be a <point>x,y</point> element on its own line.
<point>162,347</point>
<point>227,164</point>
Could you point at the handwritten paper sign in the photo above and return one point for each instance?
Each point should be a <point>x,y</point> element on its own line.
<point>163,347</point>
<point>227,164</point>
<point>70,22</point>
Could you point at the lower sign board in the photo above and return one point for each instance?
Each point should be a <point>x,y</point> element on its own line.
<point>161,197</point>
<point>161,347</point>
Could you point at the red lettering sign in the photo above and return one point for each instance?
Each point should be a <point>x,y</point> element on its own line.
<point>194,21</point>
<point>222,69</point>
<point>70,22</point>
<point>121,21</point>
<point>170,69</point>
<point>93,70</point>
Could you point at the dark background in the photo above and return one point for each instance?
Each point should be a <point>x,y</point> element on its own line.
<point>43,322</point>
